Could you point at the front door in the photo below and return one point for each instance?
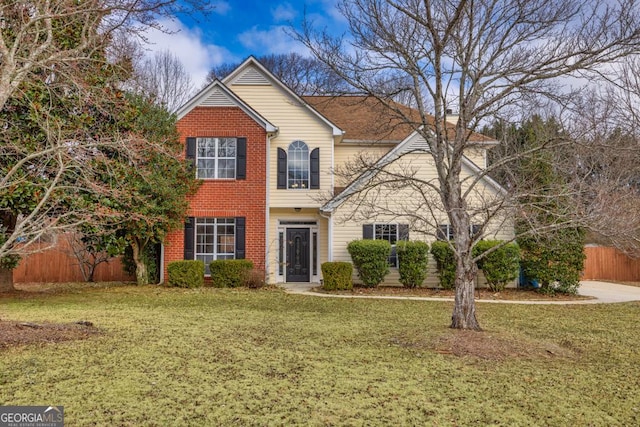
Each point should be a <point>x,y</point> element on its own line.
<point>297,255</point>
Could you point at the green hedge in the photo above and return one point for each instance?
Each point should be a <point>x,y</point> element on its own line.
<point>445,261</point>
<point>337,276</point>
<point>500,266</point>
<point>370,257</point>
<point>185,274</point>
<point>230,273</point>
<point>413,260</point>
<point>555,260</point>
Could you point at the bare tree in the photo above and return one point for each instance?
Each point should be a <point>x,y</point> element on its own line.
<point>164,80</point>
<point>90,249</point>
<point>62,111</point>
<point>31,36</point>
<point>478,58</point>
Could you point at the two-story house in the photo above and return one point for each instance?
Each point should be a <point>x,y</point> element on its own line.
<point>266,157</point>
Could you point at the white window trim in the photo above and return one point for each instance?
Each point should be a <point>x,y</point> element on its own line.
<point>308,163</point>
<point>216,158</point>
<point>313,228</point>
<point>215,253</point>
<point>393,245</point>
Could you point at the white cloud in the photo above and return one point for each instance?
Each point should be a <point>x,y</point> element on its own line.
<point>187,44</point>
<point>283,12</point>
<point>221,7</point>
<point>274,40</point>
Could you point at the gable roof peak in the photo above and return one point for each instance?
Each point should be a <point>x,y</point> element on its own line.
<point>218,94</point>
<point>251,61</point>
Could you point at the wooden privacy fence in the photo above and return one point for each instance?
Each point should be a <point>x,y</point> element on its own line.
<point>57,265</point>
<point>605,263</point>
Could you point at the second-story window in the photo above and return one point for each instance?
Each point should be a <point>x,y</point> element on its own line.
<point>216,158</point>
<point>298,166</point>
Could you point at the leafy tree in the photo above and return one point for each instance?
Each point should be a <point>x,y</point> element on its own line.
<point>479,59</point>
<point>59,100</point>
<point>153,191</point>
<point>56,144</point>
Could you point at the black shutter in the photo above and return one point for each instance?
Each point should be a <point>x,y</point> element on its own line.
<point>443,232</point>
<point>367,231</point>
<point>189,238</point>
<point>191,151</point>
<point>241,158</point>
<point>315,169</point>
<point>282,168</point>
<point>403,231</point>
<point>240,237</point>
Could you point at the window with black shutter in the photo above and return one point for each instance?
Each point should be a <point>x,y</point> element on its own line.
<point>282,169</point>
<point>389,232</point>
<point>189,239</point>
<point>241,158</point>
<point>240,237</point>
<point>314,158</point>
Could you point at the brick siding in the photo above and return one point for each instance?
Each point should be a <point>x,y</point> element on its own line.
<point>228,198</point>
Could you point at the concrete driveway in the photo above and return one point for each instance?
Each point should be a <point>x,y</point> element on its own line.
<point>609,292</point>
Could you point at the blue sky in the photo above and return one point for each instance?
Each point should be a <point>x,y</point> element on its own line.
<point>238,28</point>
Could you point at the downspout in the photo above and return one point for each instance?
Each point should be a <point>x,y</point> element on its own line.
<point>267,215</point>
<point>329,234</point>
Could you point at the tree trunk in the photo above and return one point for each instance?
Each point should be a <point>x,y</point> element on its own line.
<point>142,276</point>
<point>464,310</point>
<point>6,280</point>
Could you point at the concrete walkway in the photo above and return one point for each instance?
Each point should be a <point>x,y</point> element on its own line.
<point>602,292</point>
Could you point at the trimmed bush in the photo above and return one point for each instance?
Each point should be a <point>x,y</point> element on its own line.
<point>446,263</point>
<point>555,260</point>
<point>500,266</point>
<point>337,276</point>
<point>230,273</point>
<point>370,257</point>
<point>185,274</point>
<point>413,260</point>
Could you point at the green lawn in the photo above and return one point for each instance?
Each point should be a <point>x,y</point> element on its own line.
<point>237,357</point>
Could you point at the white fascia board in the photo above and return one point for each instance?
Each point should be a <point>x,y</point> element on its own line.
<point>392,155</point>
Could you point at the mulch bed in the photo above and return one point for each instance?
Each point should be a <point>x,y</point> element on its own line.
<point>14,334</point>
<point>485,294</point>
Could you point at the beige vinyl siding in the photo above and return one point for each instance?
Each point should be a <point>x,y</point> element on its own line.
<point>405,202</point>
<point>289,214</point>
<point>477,155</point>
<point>348,152</point>
<point>295,122</point>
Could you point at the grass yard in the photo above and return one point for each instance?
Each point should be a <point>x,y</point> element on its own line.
<point>210,357</point>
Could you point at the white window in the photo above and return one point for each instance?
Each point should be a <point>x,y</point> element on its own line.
<point>216,158</point>
<point>298,166</point>
<point>388,232</point>
<point>446,231</point>
<point>215,239</point>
